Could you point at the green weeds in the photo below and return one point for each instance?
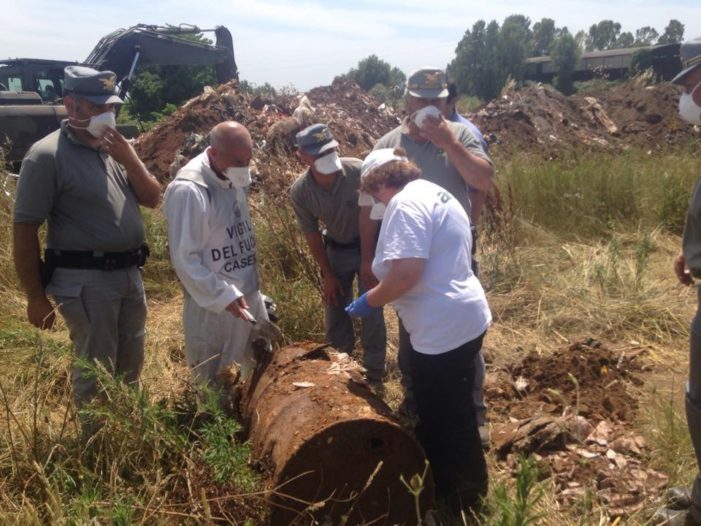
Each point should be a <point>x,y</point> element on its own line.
<point>578,245</point>
<point>586,196</point>
<point>222,450</point>
<point>119,459</point>
<point>517,506</point>
<point>668,436</point>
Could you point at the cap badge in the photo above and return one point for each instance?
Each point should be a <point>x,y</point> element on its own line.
<point>322,135</point>
<point>108,83</point>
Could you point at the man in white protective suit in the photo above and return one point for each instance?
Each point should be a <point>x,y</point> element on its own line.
<point>213,249</point>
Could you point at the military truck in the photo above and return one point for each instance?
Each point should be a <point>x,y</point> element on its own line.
<point>31,89</point>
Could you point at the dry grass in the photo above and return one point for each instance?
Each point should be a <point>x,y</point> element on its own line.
<point>546,288</point>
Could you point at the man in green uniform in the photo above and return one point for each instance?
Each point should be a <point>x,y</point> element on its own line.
<point>86,181</point>
<point>327,192</point>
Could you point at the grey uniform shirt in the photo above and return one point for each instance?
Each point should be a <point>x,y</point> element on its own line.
<point>83,194</point>
<point>434,163</point>
<point>336,207</point>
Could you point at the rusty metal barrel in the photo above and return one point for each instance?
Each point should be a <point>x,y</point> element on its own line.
<point>331,448</point>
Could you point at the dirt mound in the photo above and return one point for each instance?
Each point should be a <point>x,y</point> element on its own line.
<point>573,410</point>
<point>585,377</point>
<point>540,119</point>
<point>537,119</point>
<point>356,119</point>
<point>361,118</point>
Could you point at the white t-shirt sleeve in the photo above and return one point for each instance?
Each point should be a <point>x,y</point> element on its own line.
<point>186,209</point>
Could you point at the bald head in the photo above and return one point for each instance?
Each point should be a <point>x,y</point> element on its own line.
<point>229,134</point>
<point>231,145</point>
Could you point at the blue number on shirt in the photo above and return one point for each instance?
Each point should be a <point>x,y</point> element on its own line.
<point>444,197</point>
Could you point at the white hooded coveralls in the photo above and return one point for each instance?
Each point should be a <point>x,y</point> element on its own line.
<point>213,249</point>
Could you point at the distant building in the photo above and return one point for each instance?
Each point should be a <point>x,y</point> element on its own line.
<point>612,63</point>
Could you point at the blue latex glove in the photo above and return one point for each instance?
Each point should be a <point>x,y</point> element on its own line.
<point>360,307</point>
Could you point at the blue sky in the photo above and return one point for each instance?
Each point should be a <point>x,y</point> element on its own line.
<point>307,43</point>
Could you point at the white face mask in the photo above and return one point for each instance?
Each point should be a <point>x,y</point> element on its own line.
<point>688,109</point>
<point>377,211</point>
<point>98,124</point>
<point>328,164</point>
<point>240,176</point>
<point>420,116</point>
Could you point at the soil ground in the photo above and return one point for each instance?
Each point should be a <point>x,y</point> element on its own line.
<point>573,409</point>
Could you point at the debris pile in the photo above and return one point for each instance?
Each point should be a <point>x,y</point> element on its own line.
<point>356,118</point>
<point>573,410</point>
<point>539,119</point>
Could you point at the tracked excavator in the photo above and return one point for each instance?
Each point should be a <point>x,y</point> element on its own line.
<point>31,89</point>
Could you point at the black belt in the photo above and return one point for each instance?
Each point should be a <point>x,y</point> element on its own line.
<point>97,260</point>
<point>330,242</point>
<point>473,231</point>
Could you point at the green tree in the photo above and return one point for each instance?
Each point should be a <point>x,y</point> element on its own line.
<point>603,35</point>
<point>372,71</point>
<point>492,79</point>
<point>380,92</point>
<point>646,36</point>
<point>673,33</point>
<point>544,33</point>
<point>515,39</point>
<point>155,87</point>
<point>564,53</point>
<point>626,39</point>
<point>581,37</point>
<point>145,95</point>
<point>397,78</point>
<point>488,54</point>
<point>470,62</point>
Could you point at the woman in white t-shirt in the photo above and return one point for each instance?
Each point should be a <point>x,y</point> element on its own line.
<point>423,264</point>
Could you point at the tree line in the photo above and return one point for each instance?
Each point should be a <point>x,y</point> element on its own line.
<point>487,55</point>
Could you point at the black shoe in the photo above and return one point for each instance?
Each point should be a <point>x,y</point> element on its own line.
<point>669,517</point>
<point>678,498</point>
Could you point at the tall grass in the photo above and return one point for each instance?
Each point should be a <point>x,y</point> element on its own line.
<point>517,506</point>
<point>145,460</point>
<point>588,196</point>
<point>288,272</point>
<point>578,246</point>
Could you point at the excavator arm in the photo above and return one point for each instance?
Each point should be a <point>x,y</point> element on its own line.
<point>125,49</point>
<point>31,88</point>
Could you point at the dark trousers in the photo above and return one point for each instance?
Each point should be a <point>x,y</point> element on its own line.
<point>339,325</point>
<point>447,423</point>
<point>693,403</point>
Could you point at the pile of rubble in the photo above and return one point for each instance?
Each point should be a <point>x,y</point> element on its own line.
<point>540,119</point>
<point>536,119</point>
<point>573,410</point>
<point>356,118</point>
